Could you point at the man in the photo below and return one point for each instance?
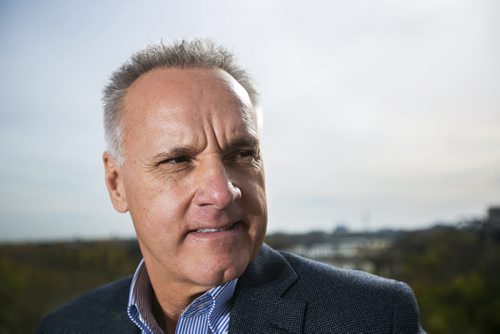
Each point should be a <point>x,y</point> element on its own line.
<point>184,159</point>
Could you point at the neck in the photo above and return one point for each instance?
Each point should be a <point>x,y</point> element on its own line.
<point>166,322</point>
<point>167,308</point>
<point>171,298</point>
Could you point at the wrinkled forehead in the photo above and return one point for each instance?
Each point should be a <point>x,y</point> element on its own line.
<point>184,86</point>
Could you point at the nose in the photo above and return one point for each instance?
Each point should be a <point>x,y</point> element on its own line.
<point>215,188</point>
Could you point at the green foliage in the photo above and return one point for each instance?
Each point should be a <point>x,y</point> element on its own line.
<point>455,274</point>
<point>36,278</point>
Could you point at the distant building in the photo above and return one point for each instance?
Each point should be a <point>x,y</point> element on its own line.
<point>347,250</point>
<point>341,229</point>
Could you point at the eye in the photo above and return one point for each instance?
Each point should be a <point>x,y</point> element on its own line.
<point>245,154</point>
<point>176,160</point>
<point>244,157</point>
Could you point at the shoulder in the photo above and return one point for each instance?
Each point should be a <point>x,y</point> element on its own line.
<point>302,273</point>
<point>103,309</point>
<point>354,298</point>
<point>332,278</point>
<point>335,299</point>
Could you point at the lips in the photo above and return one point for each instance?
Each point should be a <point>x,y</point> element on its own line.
<point>207,230</point>
<point>213,230</point>
<point>204,222</point>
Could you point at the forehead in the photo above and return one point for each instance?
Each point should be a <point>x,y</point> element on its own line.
<point>177,85</point>
<point>175,101</point>
<point>176,80</point>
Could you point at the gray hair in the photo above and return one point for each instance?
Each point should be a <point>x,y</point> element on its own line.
<point>198,53</point>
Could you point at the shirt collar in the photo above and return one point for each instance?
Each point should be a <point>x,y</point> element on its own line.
<point>140,301</point>
<point>214,303</point>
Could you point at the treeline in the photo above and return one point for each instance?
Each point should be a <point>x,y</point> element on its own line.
<point>455,273</point>
<point>37,278</point>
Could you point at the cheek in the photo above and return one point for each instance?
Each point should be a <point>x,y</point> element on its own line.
<point>254,199</point>
<point>157,208</point>
<point>254,194</point>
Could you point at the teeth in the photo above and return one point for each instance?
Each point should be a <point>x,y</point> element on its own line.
<point>212,230</point>
<point>209,230</point>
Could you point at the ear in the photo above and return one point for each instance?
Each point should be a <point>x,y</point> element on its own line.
<point>114,182</point>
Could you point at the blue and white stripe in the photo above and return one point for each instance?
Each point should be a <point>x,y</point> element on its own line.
<point>209,313</point>
<point>140,301</point>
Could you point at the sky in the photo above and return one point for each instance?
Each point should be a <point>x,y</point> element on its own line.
<point>377,113</point>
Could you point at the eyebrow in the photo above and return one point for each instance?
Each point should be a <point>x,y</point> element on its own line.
<point>176,151</point>
<point>248,141</point>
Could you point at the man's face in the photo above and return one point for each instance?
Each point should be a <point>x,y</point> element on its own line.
<point>192,179</point>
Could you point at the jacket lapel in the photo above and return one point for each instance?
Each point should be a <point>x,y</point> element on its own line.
<point>259,306</point>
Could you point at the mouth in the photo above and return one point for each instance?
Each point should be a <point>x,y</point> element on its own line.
<point>214,230</point>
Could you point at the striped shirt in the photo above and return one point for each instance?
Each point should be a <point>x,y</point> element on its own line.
<point>207,314</point>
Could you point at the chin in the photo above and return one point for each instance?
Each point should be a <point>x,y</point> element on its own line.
<point>219,273</point>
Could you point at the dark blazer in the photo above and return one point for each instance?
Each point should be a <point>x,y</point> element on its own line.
<point>278,293</point>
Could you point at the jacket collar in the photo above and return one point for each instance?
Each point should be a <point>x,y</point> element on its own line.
<point>258,304</point>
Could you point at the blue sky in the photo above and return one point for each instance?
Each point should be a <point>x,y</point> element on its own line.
<point>376,113</point>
